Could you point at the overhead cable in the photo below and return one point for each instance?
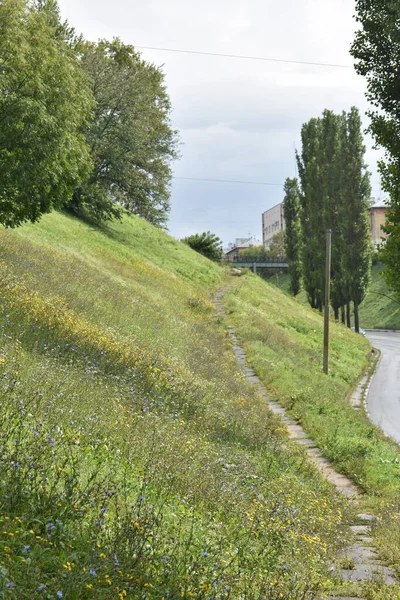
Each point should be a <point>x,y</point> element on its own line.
<point>244,57</point>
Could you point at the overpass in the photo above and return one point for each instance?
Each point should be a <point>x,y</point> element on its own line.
<point>254,265</point>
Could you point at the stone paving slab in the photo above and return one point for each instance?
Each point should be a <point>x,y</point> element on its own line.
<point>365,539</point>
<point>360,554</point>
<point>368,572</point>
<point>307,442</point>
<point>344,598</point>
<point>360,529</point>
<point>366,517</point>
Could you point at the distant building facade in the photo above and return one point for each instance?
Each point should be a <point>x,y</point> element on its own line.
<point>233,250</point>
<point>272,222</point>
<point>377,214</point>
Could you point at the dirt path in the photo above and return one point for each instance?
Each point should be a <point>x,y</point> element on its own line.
<point>361,556</point>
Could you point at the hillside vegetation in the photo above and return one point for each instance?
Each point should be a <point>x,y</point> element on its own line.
<point>377,311</point>
<point>136,461</point>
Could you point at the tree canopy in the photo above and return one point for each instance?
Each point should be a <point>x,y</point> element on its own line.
<point>293,238</point>
<point>130,137</point>
<point>335,193</point>
<point>206,243</point>
<point>45,102</point>
<point>254,254</point>
<point>376,49</point>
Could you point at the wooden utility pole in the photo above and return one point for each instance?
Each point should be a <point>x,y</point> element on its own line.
<point>327,298</point>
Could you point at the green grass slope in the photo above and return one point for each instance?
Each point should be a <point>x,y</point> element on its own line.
<point>135,459</point>
<point>284,342</point>
<point>378,310</point>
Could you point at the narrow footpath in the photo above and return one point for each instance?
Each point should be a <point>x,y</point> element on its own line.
<point>362,555</point>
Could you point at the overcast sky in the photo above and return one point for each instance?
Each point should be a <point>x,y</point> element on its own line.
<point>238,119</point>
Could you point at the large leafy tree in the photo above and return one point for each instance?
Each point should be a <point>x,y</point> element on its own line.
<point>293,238</point>
<point>44,103</point>
<point>130,136</point>
<point>377,52</point>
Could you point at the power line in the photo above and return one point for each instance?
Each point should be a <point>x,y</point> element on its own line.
<point>243,57</point>
<point>228,181</point>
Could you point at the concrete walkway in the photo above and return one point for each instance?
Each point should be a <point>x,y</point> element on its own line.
<point>361,556</point>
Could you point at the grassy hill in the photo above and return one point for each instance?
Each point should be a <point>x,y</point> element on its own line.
<point>377,311</point>
<point>136,461</point>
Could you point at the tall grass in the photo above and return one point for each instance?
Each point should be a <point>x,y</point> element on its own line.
<point>283,342</point>
<point>136,461</point>
<point>377,311</point>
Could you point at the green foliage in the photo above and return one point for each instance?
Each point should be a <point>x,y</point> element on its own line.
<point>44,103</point>
<point>357,254</point>
<point>277,245</point>
<point>261,254</point>
<point>206,243</point>
<point>293,238</point>
<point>311,213</point>
<point>376,50</point>
<point>335,191</point>
<point>379,310</point>
<point>130,137</point>
<point>254,254</point>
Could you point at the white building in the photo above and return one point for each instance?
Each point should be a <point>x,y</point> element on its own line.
<point>272,222</point>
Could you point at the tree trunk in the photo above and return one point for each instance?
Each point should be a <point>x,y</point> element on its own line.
<point>348,314</point>
<point>356,320</point>
<point>343,315</point>
<point>336,311</point>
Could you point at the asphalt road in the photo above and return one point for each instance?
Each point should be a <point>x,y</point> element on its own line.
<point>383,399</point>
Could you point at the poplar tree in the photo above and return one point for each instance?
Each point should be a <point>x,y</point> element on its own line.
<point>335,191</point>
<point>331,190</point>
<point>357,191</point>
<point>311,214</point>
<point>293,240</point>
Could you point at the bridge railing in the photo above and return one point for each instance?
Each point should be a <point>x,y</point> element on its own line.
<point>251,261</point>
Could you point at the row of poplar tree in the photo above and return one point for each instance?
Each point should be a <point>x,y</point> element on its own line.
<point>82,125</point>
<point>333,192</point>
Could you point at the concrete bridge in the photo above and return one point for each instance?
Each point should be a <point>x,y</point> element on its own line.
<point>254,265</point>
